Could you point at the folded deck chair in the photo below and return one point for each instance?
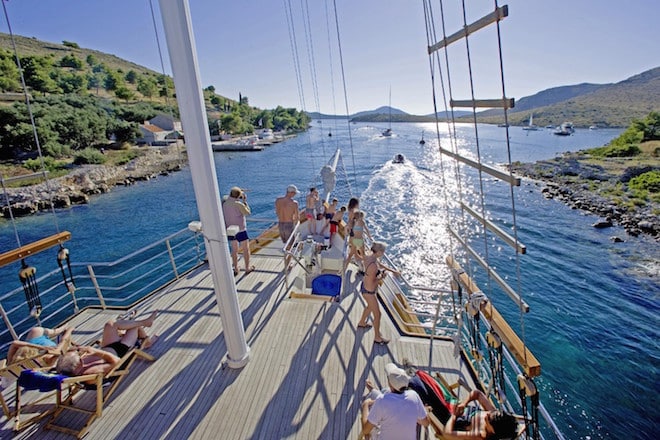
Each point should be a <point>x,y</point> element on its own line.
<point>66,388</point>
<point>10,374</point>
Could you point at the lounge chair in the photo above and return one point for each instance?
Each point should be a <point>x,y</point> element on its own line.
<point>66,388</point>
<point>10,374</point>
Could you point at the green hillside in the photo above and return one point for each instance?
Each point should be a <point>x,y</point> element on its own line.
<point>85,99</point>
<point>607,105</point>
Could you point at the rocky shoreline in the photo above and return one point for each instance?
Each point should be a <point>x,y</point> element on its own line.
<point>597,189</point>
<point>76,187</point>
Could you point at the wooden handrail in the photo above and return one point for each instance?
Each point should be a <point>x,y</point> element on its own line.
<point>33,248</point>
<point>525,358</point>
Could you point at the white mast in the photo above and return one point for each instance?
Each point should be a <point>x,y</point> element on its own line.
<point>183,58</point>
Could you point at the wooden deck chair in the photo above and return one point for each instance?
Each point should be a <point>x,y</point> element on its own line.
<point>10,374</point>
<point>448,390</point>
<point>103,386</point>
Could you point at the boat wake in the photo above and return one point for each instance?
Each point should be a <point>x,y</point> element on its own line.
<point>405,209</point>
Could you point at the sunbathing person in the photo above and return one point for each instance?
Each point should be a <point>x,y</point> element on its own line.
<point>39,340</point>
<point>469,423</point>
<point>460,420</point>
<point>119,336</point>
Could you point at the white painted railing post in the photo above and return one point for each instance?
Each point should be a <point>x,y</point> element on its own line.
<point>92,276</point>
<point>172,261</point>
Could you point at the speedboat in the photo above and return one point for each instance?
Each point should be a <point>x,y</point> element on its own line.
<point>399,158</point>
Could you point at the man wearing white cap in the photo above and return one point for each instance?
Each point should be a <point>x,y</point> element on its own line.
<point>287,212</point>
<point>397,413</point>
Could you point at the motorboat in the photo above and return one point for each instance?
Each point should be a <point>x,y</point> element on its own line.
<point>565,129</point>
<point>399,158</point>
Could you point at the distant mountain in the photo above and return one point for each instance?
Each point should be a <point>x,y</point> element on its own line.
<point>381,114</point>
<point>447,115</point>
<point>604,105</point>
<point>384,110</point>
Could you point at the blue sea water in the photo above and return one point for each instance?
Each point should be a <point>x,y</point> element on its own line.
<point>594,303</point>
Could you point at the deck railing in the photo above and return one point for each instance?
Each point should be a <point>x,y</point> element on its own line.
<point>116,284</point>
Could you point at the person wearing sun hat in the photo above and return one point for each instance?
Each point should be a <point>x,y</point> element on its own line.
<point>394,413</point>
<point>287,212</point>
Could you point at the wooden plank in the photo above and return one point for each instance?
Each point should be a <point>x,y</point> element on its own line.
<point>497,15</point>
<point>510,179</point>
<point>505,103</point>
<point>304,379</point>
<point>525,358</point>
<point>508,239</point>
<point>33,248</point>
<point>515,297</point>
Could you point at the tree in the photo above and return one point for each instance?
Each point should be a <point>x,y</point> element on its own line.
<point>166,85</point>
<point>72,61</point>
<point>132,76</point>
<point>72,82</point>
<point>210,89</point>
<point>91,60</point>
<point>124,93</point>
<point>94,81</point>
<point>9,77</point>
<point>112,81</point>
<point>147,86</point>
<point>70,44</point>
<point>124,132</point>
<point>216,101</point>
<point>37,74</point>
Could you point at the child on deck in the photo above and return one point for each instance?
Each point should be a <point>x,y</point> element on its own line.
<point>329,211</point>
<point>337,217</point>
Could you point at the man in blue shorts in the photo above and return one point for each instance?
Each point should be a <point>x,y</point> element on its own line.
<point>235,209</point>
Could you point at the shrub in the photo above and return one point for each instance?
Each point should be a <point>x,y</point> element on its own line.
<point>50,164</point>
<point>646,182</point>
<point>89,156</point>
<point>125,157</point>
<point>625,150</point>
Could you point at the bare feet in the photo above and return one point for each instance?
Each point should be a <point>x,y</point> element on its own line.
<point>369,385</point>
<point>382,341</point>
<point>150,320</point>
<point>148,342</point>
<point>249,269</point>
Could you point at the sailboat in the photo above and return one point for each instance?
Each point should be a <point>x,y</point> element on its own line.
<point>306,365</point>
<point>531,126</point>
<point>388,131</point>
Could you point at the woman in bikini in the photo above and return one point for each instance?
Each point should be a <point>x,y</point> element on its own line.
<point>358,227</point>
<point>119,336</point>
<point>374,273</point>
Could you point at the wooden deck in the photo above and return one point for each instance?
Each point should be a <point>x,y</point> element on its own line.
<point>305,378</point>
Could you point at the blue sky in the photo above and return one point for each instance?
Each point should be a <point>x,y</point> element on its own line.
<point>244,46</point>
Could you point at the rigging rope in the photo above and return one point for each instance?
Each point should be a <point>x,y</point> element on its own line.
<point>28,278</point>
<point>343,78</point>
<point>495,348</point>
<point>511,194</point>
<point>34,128</point>
<point>330,64</point>
<point>311,61</point>
<point>296,64</point>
